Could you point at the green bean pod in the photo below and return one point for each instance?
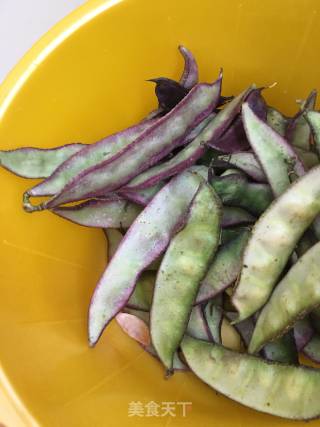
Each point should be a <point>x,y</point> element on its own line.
<point>183,266</point>
<point>235,190</point>
<point>273,239</point>
<point>287,391</point>
<point>277,121</point>
<point>146,239</point>
<point>224,269</point>
<point>30,162</point>
<point>276,156</point>
<point>295,296</point>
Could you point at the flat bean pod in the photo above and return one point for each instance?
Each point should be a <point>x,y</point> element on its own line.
<point>313,118</point>
<point>274,237</point>
<point>30,162</point>
<point>278,389</point>
<point>213,314</point>
<point>210,131</point>
<point>298,132</point>
<point>225,268</point>
<point>183,266</point>
<point>148,149</point>
<point>147,238</point>
<point>235,190</point>
<point>109,213</point>
<point>308,158</point>
<point>296,295</point>
<point>190,75</point>
<point>85,158</point>
<point>141,197</point>
<point>282,350</point>
<point>197,326</point>
<point>277,157</point>
<point>277,121</point>
<point>247,162</point>
<point>232,216</point>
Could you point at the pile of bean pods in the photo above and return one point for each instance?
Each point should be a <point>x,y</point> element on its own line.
<point>210,206</point>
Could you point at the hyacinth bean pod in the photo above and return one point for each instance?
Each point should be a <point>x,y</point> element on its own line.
<point>190,75</point>
<point>30,162</point>
<point>287,391</point>
<point>232,216</point>
<point>183,266</point>
<point>224,269</point>
<point>282,350</point>
<point>290,300</point>
<point>148,149</point>
<point>313,118</point>
<point>197,326</point>
<point>147,238</point>
<point>235,190</point>
<point>298,132</point>
<point>277,121</point>
<point>88,156</point>
<point>210,130</point>
<point>273,239</point>
<point>109,213</point>
<point>246,162</point>
<point>214,314</point>
<point>277,157</point>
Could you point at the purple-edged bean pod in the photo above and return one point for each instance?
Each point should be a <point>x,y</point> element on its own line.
<point>109,213</point>
<point>246,162</point>
<point>287,391</point>
<point>273,239</point>
<point>214,315</point>
<point>232,216</point>
<point>197,326</point>
<point>313,118</point>
<point>30,162</point>
<point>224,269</point>
<point>289,301</point>
<point>191,153</point>
<point>88,156</point>
<point>148,149</point>
<point>190,75</point>
<point>277,120</point>
<point>183,266</point>
<point>278,159</point>
<point>298,131</point>
<point>146,239</point>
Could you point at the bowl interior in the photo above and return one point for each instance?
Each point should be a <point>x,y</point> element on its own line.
<point>88,83</point>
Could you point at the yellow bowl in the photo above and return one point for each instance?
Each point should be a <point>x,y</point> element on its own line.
<point>81,81</point>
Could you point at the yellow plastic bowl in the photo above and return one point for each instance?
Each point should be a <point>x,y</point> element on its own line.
<point>83,80</point>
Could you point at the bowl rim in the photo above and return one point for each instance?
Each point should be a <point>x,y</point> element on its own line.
<point>9,88</point>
